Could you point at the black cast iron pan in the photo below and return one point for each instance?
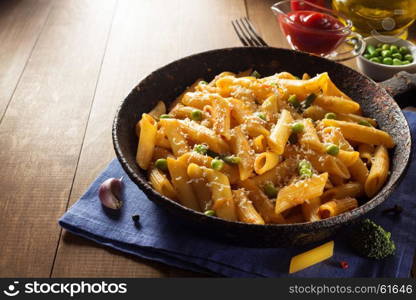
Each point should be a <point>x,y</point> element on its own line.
<point>169,81</point>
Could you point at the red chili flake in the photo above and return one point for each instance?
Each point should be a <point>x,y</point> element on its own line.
<point>344,264</point>
<point>266,86</point>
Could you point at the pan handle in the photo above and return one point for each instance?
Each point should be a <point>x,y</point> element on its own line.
<point>400,84</point>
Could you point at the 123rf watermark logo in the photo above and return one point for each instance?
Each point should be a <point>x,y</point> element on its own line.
<point>64,288</point>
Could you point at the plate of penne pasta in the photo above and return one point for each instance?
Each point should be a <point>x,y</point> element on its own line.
<point>271,147</point>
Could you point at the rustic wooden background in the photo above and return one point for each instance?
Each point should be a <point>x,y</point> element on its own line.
<point>64,68</point>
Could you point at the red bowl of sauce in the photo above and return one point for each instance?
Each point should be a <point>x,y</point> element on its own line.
<point>309,27</point>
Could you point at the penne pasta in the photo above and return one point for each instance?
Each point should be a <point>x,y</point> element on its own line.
<point>265,161</point>
<point>147,141</point>
<point>245,210</point>
<point>378,173</point>
<point>162,184</point>
<point>222,198</point>
<point>177,140</point>
<point>337,104</point>
<point>337,207</point>
<point>281,132</point>
<point>362,134</point>
<point>272,150</point>
<point>350,189</point>
<point>179,176</point>
<point>296,193</point>
<point>241,148</point>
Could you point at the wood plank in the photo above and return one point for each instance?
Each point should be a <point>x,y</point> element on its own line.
<point>20,25</point>
<point>42,132</point>
<point>144,36</point>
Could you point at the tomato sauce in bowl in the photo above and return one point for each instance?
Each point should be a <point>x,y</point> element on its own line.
<point>309,27</point>
<point>312,31</point>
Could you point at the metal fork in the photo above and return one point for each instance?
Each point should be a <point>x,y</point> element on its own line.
<point>247,33</point>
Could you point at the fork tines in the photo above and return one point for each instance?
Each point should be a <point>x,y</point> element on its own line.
<point>247,33</point>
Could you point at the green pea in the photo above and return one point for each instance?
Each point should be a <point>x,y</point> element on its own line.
<point>217,164</point>
<point>379,45</point>
<point>203,82</point>
<point>408,57</point>
<point>377,52</point>
<point>293,100</point>
<point>403,50</point>
<point>368,56</point>
<point>305,169</point>
<point>386,53</point>
<point>201,149</point>
<point>210,213</point>
<point>387,61</point>
<point>332,149</point>
<point>309,100</point>
<point>262,116</point>
<point>304,164</point>
<point>196,115</point>
<point>298,127</point>
<point>375,59</point>
<point>231,159</point>
<point>364,123</point>
<point>405,62</point>
<point>385,47</point>
<point>162,164</point>
<point>331,115</point>
<point>371,49</point>
<point>270,190</point>
<point>165,116</point>
<point>397,55</point>
<point>397,62</point>
<point>256,74</point>
<point>394,49</point>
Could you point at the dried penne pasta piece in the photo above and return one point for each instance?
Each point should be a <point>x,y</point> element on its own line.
<point>336,207</point>
<point>378,173</point>
<point>362,134</point>
<point>222,198</point>
<point>162,184</point>
<point>311,257</point>
<point>296,193</point>
<point>179,176</point>
<point>245,210</point>
<point>147,141</point>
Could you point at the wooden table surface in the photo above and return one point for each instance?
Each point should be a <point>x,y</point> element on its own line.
<point>64,68</point>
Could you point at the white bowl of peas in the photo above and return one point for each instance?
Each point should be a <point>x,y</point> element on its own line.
<point>380,61</point>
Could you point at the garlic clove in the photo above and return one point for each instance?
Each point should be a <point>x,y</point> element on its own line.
<point>110,193</point>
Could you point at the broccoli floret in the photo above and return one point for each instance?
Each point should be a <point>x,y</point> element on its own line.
<point>371,240</point>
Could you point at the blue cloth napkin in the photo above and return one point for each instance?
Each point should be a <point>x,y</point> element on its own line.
<point>162,239</point>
